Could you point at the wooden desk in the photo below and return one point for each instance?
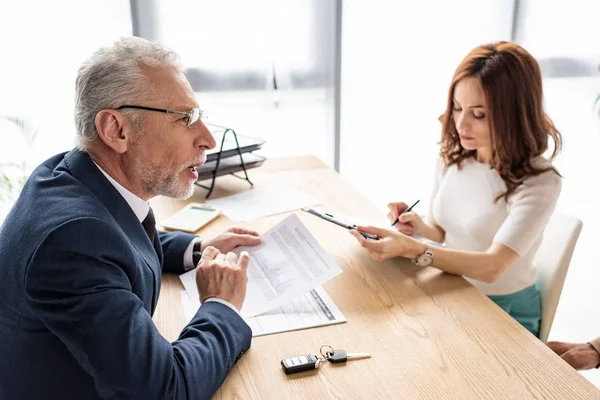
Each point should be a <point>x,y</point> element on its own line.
<point>432,335</point>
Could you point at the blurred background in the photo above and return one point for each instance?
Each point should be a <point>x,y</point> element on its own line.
<point>358,83</point>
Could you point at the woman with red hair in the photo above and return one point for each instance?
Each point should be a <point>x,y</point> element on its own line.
<point>494,191</point>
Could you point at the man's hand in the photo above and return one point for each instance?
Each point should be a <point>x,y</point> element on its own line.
<point>577,355</point>
<point>232,238</point>
<point>222,276</point>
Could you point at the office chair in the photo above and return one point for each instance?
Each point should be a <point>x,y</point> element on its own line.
<point>552,261</point>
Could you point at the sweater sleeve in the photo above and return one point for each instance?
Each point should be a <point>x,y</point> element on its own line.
<point>596,345</point>
<point>437,178</point>
<point>529,209</point>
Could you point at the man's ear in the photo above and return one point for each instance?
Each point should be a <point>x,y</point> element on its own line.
<point>113,129</point>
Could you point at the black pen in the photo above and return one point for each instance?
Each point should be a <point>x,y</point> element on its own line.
<point>405,211</point>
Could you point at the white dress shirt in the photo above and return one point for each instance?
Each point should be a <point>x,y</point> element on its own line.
<point>141,208</point>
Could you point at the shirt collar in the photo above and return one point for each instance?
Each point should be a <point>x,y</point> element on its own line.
<point>139,206</point>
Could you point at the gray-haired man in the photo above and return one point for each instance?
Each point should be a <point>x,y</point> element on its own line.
<point>81,260</point>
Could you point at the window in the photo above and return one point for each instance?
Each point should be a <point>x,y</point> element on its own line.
<point>43,45</point>
<point>263,68</point>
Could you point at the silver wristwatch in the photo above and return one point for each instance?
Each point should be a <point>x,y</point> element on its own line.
<point>425,258</point>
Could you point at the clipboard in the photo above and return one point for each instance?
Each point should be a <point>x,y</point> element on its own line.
<point>334,220</point>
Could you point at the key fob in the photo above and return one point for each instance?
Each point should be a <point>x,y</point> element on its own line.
<point>300,363</point>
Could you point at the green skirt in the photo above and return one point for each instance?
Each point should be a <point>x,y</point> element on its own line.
<point>525,306</point>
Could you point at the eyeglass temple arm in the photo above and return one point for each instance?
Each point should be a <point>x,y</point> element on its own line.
<point>155,109</point>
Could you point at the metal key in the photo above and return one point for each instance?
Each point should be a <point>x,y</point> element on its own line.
<point>340,356</point>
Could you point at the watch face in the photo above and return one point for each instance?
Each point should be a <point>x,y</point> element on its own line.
<point>425,260</point>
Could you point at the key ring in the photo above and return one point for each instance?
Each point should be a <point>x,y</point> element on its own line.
<point>326,354</point>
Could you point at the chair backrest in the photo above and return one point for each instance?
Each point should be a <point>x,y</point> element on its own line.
<point>552,261</point>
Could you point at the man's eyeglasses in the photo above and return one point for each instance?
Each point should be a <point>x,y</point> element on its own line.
<point>193,116</point>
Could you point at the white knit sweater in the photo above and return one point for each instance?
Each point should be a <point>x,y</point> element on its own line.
<point>463,206</point>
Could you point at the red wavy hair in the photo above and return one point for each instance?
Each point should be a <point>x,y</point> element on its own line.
<point>520,129</point>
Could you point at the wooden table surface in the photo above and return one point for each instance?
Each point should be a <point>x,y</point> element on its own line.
<point>432,335</point>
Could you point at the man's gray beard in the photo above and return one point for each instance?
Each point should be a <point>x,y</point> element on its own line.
<point>168,185</point>
<point>165,183</point>
<point>161,182</point>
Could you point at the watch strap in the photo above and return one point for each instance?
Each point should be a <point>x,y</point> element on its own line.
<point>196,253</point>
<point>424,259</point>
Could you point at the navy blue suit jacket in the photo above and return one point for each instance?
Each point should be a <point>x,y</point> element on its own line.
<point>79,281</point>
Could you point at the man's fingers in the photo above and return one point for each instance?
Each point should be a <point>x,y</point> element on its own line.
<point>560,347</point>
<point>557,347</point>
<point>243,231</point>
<point>247,240</point>
<point>244,260</point>
<point>571,358</point>
<point>220,258</point>
<point>210,253</point>
<point>231,259</point>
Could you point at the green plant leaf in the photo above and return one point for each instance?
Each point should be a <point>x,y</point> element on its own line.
<point>28,130</point>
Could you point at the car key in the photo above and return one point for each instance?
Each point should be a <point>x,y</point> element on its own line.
<point>301,363</point>
<point>340,356</point>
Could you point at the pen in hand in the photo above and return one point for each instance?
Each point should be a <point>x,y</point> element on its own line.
<point>405,211</point>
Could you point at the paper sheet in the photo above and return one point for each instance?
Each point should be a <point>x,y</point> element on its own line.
<point>258,203</point>
<point>308,311</point>
<point>287,264</point>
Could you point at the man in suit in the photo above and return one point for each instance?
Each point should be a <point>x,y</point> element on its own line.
<point>81,260</point>
<point>579,355</point>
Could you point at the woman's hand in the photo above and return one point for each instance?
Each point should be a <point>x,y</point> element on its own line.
<point>390,243</point>
<point>409,223</point>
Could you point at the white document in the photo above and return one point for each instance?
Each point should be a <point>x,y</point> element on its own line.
<point>258,203</point>
<point>311,310</point>
<point>287,264</point>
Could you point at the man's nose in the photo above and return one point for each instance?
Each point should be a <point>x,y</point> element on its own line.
<point>205,136</point>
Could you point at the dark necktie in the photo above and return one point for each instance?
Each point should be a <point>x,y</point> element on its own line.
<point>149,224</point>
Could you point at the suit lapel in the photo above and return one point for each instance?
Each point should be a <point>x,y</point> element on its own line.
<point>157,282</point>
<point>83,169</point>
